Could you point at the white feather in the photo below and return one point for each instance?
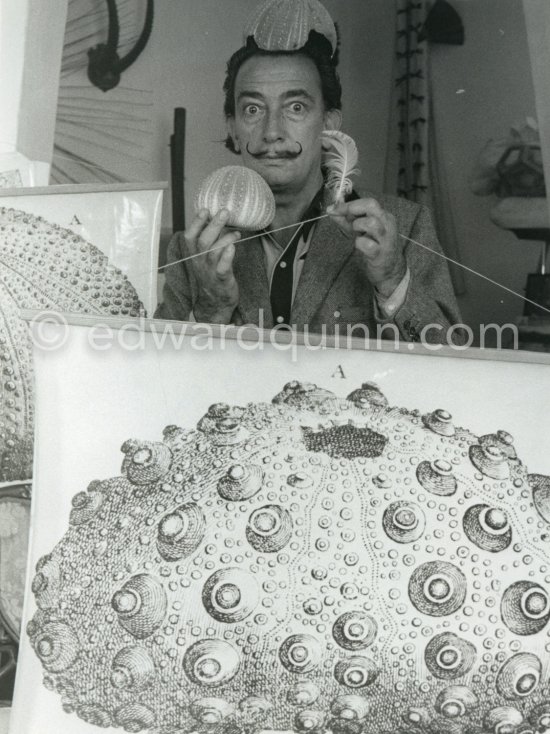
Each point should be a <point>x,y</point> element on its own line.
<point>340,156</point>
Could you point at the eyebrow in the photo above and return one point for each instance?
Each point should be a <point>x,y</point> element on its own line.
<point>299,93</point>
<point>252,95</point>
<point>287,95</point>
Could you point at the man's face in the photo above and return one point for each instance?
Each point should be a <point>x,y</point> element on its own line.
<point>279,117</point>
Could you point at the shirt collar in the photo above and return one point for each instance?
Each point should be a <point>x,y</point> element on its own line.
<point>315,209</point>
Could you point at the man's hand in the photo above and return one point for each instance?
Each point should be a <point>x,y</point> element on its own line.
<point>218,290</point>
<point>376,237</point>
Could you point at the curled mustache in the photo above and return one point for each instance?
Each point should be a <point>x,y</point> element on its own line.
<point>265,153</point>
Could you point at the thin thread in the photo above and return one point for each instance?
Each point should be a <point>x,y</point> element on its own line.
<point>480,275</point>
<point>314,219</point>
<point>238,242</point>
<point>408,239</point>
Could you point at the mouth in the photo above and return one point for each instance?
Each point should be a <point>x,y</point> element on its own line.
<point>275,157</point>
<point>273,160</point>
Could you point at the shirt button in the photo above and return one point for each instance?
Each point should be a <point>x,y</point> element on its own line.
<point>282,264</point>
<point>280,319</point>
<point>337,314</point>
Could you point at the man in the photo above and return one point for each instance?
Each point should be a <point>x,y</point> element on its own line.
<point>351,269</point>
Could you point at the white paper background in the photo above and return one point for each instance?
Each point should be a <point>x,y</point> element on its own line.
<point>89,402</point>
<point>124,225</point>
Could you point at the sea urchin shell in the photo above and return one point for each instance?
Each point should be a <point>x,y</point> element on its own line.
<point>241,191</point>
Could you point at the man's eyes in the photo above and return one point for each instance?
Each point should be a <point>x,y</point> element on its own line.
<point>255,110</point>
<point>251,110</point>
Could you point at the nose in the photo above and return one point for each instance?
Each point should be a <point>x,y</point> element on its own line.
<point>273,127</point>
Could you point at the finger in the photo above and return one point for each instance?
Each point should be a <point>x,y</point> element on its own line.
<point>356,208</point>
<point>371,226</point>
<point>213,229</point>
<point>340,213</point>
<point>363,207</point>
<point>369,247</point>
<point>212,258</point>
<point>338,209</point>
<point>224,268</point>
<point>195,228</point>
<point>334,211</point>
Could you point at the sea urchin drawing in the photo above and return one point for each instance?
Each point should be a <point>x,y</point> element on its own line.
<point>48,268</point>
<point>310,564</point>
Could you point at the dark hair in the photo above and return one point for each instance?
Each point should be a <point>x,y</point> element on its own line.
<point>317,48</point>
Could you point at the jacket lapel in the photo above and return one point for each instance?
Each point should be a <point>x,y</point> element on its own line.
<point>329,250</point>
<point>249,270</point>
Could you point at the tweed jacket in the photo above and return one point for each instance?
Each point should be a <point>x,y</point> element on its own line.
<point>333,293</point>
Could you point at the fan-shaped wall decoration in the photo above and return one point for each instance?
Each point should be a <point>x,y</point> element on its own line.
<point>101,136</point>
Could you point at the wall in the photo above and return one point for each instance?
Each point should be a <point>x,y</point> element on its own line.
<point>31,36</point>
<point>45,30</point>
<point>192,41</point>
<point>480,90</point>
<point>13,20</point>
<point>30,54</point>
<point>537,17</point>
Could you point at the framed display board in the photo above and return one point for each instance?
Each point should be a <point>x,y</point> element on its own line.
<point>120,220</point>
<point>77,249</point>
<point>236,530</point>
<point>82,249</point>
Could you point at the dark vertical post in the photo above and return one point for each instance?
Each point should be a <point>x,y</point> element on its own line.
<point>177,161</point>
